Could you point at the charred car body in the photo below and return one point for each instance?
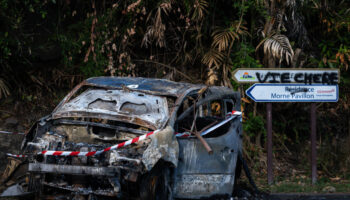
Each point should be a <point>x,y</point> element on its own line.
<point>104,111</point>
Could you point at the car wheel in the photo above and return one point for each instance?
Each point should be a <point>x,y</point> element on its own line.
<point>156,184</point>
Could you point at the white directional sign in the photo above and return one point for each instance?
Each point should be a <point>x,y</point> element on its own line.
<point>284,75</point>
<point>293,93</point>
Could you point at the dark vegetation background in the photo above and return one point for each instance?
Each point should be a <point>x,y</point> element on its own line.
<point>48,46</point>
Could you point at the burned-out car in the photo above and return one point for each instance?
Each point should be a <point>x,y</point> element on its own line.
<point>137,138</point>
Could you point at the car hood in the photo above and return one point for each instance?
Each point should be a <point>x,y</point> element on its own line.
<point>133,107</point>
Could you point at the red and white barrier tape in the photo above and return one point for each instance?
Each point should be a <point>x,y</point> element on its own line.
<point>229,117</point>
<point>92,153</point>
<point>234,112</point>
<point>183,135</point>
<point>12,133</point>
<point>16,155</point>
<point>232,115</point>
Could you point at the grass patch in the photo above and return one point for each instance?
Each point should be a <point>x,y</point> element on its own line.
<point>303,185</point>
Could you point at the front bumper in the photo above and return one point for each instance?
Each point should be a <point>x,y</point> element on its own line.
<point>83,177</point>
<point>73,169</point>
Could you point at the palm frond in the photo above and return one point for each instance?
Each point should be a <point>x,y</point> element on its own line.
<point>213,58</point>
<point>212,77</point>
<point>278,46</point>
<point>294,23</point>
<point>157,29</point>
<point>222,37</point>
<point>199,9</point>
<point>165,6</point>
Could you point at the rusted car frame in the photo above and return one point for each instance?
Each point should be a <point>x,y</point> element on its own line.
<point>111,109</point>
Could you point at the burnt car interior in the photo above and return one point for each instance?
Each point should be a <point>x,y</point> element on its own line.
<point>207,113</point>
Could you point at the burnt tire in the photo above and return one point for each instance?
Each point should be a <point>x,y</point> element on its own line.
<point>156,184</point>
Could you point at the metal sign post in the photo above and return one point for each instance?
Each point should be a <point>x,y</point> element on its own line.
<point>269,144</point>
<point>313,144</point>
<point>292,93</point>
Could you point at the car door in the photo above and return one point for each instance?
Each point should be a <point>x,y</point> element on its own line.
<point>200,174</point>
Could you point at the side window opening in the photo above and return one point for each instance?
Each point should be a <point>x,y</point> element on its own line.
<point>229,105</point>
<point>204,110</point>
<point>208,113</point>
<point>216,108</point>
<point>222,130</point>
<point>217,114</point>
<point>185,124</point>
<point>186,104</point>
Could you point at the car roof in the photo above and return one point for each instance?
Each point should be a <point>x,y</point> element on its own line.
<point>153,85</point>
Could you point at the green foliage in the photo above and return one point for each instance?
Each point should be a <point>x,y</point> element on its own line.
<point>91,69</point>
<point>304,185</point>
<point>4,48</point>
<point>254,125</point>
<point>332,33</point>
<point>243,57</point>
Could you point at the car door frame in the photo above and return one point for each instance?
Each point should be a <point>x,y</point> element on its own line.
<point>199,174</point>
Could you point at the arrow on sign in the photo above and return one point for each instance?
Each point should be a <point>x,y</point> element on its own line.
<point>293,93</point>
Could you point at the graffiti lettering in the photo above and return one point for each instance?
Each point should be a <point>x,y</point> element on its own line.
<point>294,90</point>
<point>325,78</point>
<point>298,77</point>
<point>274,77</point>
<point>285,78</point>
<point>259,77</point>
<point>306,78</point>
